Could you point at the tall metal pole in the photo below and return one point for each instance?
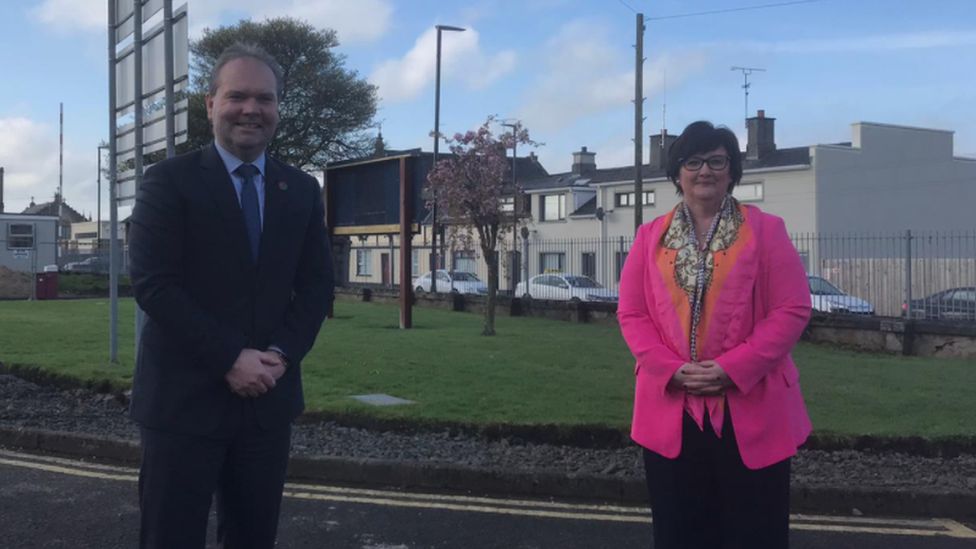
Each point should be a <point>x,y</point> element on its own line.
<point>515,211</point>
<point>514,207</point>
<point>434,227</point>
<point>639,126</point>
<point>168,71</point>
<point>60,237</point>
<point>138,129</point>
<point>113,207</point>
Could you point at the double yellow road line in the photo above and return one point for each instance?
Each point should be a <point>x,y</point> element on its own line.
<point>934,527</point>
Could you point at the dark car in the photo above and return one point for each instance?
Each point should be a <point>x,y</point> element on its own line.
<point>951,304</point>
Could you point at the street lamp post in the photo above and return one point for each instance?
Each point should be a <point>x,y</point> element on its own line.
<point>437,135</point>
<point>515,212</point>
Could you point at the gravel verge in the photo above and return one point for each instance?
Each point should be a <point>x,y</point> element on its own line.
<point>27,405</point>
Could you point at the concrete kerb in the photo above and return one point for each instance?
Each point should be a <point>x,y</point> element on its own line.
<point>456,478</point>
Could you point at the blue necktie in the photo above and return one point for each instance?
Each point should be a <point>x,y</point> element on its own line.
<point>249,205</point>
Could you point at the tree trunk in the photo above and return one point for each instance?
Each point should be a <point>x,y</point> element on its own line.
<point>492,293</point>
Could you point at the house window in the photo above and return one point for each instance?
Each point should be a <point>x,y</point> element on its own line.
<point>627,199</point>
<point>621,258</point>
<point>464,261</point>
<point>93,234</point>
<point>364,262</point>
<point>415,262</point>
<point>589,264</point>
<point>748,192</point>
<point>552,262</point>
<point>20,236</point>
<point>553,207</point>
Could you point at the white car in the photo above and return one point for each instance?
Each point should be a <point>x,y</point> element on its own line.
<point>564,287</point>
<point>451,281</point>
<point>829,299</point>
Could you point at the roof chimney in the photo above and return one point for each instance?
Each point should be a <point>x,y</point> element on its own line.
<point>761,136</point>
<point>584,162</point>
<point>660,145</point>
<point>379,147</point>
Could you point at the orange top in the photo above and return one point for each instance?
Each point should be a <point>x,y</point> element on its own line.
<point>722,260</point>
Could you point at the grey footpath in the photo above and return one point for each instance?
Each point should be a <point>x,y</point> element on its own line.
<point>835,500</point>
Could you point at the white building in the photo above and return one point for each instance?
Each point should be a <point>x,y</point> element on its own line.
<point>886,180</point>
<point>85,236</point>
<point>27,242</point>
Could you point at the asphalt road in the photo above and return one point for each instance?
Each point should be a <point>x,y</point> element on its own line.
<point>50,502</point>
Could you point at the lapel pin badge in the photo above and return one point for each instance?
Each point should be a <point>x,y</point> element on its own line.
<point>282,185</point>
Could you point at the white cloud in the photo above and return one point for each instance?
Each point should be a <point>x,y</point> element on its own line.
<point>29,155</point>
<point>71,15</point>
<point>461,57</point>
<point>359,21</point>
<point>866,44</point>
<point>585,74</point>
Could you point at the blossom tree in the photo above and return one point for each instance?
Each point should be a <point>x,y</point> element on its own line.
<point>470,186</point>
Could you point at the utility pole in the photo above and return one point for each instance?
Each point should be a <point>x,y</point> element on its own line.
<point>746,71</point>
<point>639,125</point>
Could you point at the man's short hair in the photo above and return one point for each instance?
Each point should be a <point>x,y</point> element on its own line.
<point>240,50</point>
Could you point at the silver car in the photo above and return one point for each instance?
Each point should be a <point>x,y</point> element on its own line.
<point>829,299</point>
<point>451,281</point>
<point>564,287</point>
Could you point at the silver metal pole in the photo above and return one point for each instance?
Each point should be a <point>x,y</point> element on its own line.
<point>138,129</point>
<point>639,126</point>
<point>514,209</point>
<point>168,69</point>
<point>908,274</point>
<point>435,252</point>
<point>98,208</point>
<point>113,207</point>
<point>59,237</point>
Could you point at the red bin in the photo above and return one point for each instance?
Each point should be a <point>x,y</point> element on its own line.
<point>47,286</point>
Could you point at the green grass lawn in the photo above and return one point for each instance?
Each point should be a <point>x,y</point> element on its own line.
<point>533,372</point>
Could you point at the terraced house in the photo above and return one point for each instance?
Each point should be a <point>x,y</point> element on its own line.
<point>886,180</point>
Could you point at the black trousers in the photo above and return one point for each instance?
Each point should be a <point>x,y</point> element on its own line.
<point>706,498</point>
<point>242,464</point>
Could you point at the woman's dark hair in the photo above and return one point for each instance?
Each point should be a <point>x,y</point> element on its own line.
<point>702,137</point>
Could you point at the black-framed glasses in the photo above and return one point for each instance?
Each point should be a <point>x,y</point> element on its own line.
<point>715,163</point>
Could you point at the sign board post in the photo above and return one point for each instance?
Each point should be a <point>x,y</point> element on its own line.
<point>148,65</point>
<point>379,196</point>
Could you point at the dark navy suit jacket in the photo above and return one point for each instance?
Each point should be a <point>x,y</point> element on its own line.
<point>205,297</point>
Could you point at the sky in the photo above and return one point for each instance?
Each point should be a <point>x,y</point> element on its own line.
<point>563,68</point>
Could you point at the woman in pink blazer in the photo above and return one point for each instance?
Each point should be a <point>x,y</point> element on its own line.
<point>713,297</point>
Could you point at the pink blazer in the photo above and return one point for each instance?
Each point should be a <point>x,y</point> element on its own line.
<point>763,310</point>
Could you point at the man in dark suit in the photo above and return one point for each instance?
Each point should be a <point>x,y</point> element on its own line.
<point>230,261</point>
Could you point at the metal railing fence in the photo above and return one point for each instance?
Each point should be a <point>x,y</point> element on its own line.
<point>895,274</point>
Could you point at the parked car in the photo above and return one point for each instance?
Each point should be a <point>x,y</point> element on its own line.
<point>451,281</point>
<point>94,264</point>
<point>951,304</point>
<point>829,299</point>
<point>564,287</point>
